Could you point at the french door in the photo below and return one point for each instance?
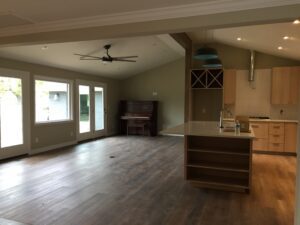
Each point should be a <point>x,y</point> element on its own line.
<point>14,113</point>
<point>91,106</point>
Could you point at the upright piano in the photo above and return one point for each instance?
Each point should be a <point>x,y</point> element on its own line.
<point>138,117</point>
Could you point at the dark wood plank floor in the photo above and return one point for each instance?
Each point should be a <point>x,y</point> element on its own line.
<point>137,181</point>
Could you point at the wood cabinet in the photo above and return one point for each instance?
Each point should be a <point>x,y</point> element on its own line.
<point>290,137</point>
<point>260,129</point>
<point>275,136</point>
<point>218,162</point>
<point>229,87</point>
<point>285,85</point>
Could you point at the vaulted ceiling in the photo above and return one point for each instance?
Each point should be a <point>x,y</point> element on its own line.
<point>152,51</point>
<point>280,39</point>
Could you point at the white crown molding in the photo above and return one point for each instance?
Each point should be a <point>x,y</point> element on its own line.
<point>197,9</point>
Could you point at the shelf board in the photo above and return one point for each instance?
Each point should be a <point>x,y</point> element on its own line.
<point>221,181</point>
<point>213,151</point>
<point>220,166</point>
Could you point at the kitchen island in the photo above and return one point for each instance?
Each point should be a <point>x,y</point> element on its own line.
<point>214,157</point>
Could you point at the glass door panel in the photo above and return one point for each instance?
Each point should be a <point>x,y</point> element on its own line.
<point>99,108</point>
<point>84,109</point>
<point>11,112</point>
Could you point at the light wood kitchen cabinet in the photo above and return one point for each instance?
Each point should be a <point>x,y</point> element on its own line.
<point>261,130</point>
<point>285,85</point>
<point>275,136</point>
<point>276,128</point>
<point>290,137</point>
<point>229,87</point>
<point>260,144</point>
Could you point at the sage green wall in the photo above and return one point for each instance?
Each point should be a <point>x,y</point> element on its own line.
<point>57,133</point>
<point>168,82</point>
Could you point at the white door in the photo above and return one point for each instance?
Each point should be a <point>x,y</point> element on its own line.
<point>91,99</point>
<point>14,113</point>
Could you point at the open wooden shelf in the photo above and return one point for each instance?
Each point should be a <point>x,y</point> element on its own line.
<point>221,166</point>
<point>221,163</point>
<point>217,151</point>
<point>221,181</point>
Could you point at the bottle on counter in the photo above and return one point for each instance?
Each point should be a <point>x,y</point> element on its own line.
<point>237,127</point>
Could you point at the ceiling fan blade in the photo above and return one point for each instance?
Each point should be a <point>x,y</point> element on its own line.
<point>88,56</point>
<point>89,59</point>
<point>123,60</point>
<point>124,57</point>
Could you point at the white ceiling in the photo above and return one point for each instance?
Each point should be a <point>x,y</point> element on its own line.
<point>34,16</point>
<point>152,51</point>
<point>51,10</point>
<point>264,38</point>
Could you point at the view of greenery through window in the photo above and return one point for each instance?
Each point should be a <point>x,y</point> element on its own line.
<point>52,101</point>
<point>11,112</point>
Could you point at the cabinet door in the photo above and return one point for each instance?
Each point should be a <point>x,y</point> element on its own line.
<point>285,85</point>
<point>260,144</point>
<point>229,86</point>
<point>280,85</point>
<point>290,137</point>
<point>294,85</point>
<point>260,130</point>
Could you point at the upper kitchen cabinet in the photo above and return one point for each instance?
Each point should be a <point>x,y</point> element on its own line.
<point>285,85</point>
<point>229,87</point>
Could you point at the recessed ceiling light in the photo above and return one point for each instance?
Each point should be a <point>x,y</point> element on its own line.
<point>239,38</point>
<point>286,37</point>
<point>45,47</point>
<point>280,48</point>
<point>296,22</point>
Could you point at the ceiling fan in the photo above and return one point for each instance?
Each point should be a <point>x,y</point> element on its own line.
<point>107,57</point>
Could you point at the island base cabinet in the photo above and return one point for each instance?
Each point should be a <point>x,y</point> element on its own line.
<point>218,162</point>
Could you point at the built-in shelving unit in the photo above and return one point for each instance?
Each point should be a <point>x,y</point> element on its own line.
<point>207,78</point>
<point>218,163</point>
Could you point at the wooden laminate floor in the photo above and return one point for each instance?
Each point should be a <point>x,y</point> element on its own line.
<point>137,181</point>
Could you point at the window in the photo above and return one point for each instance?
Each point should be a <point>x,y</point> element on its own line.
<point>52,101</point>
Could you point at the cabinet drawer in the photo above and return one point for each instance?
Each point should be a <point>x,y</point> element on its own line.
<point>260,144</point>
<point>276,128</point>
<point>276,147</point>
<point>276,138</point>
<point>261,130</point>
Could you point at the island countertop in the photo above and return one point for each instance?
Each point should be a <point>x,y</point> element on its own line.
<point>206,129</point>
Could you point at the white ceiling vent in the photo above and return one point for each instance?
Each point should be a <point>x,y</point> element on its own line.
<point>11,20</point>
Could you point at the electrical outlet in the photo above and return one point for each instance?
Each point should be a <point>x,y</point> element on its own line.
<point>37,140</point>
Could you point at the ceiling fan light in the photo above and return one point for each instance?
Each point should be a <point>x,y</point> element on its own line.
<point>212,63</point>
<point>206,53</point>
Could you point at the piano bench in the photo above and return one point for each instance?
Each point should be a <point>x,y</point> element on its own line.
<point>137,125</point>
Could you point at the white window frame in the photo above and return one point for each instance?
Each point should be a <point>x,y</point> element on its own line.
<point>71,98</point>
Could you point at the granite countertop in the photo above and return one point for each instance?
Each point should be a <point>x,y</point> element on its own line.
<point>266,120</point>
<point>205,128</point>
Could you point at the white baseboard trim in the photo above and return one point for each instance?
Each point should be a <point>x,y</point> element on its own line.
<point>51,147</point>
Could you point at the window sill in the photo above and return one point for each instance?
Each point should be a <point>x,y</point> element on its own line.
<point>51,123</point>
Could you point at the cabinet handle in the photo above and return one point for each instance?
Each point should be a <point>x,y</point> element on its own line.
<point>276,144</point>
<point>255,126</point>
